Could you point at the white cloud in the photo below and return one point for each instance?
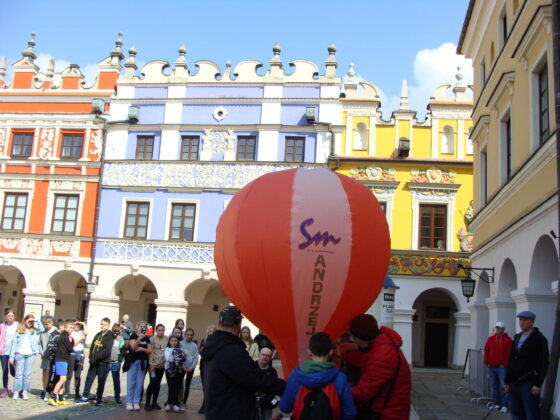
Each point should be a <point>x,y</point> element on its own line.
<point>431,68</point>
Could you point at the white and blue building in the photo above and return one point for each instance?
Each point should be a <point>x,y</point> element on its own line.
<point>201,133</point>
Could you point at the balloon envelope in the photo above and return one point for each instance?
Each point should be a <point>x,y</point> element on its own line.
<point>302,251</point>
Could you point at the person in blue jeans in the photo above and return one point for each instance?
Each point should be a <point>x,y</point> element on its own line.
<point>24,349</point>
<point>116,360</point>
<point>496,357</point>
<point>527,368</point>
<point>139,344</point>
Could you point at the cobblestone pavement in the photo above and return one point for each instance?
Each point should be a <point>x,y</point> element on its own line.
<point>437,395</point>
<point>36,409</point>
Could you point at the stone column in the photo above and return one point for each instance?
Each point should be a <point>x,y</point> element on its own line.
<point>101,306</point>
<point>402,322</point>
<point>542,303</point>
<point>36,298</point>
<point>170,310</point>
<point>479,325</point>
<point>501,308</point>
<point>462,335</point>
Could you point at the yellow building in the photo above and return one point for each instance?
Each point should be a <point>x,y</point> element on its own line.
<point>515,204</point>
<point>421,173</point>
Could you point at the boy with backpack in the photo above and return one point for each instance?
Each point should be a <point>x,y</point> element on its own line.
<point>317,390</point>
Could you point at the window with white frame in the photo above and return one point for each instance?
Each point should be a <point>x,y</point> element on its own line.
<point>65,213</point>
<point>540,103</point>
<point>384,191</point>
<point>483,177</point>
<point>136,220</point>
<point>505,148</point>
<point>182,221</point>
<point>447,140</point>
<point>13,214</point>
<point>483,73</point>
<point>503,28</point>
<point>433,207</point>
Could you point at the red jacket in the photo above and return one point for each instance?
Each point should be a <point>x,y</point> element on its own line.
<point>378,367</point>
<point>497,350</point>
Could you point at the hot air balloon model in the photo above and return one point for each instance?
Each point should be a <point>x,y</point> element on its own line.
<point>302,251</point>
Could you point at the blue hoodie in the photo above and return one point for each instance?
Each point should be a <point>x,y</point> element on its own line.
<point>318,379</point>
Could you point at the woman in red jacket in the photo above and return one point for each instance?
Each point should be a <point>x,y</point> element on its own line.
<point>385,382</point>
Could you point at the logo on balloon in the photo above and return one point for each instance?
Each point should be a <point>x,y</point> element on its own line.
<point>319,237</point>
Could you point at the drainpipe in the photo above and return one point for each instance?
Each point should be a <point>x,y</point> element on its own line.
<point>130,120</point>
<point>550,382</point>
<point>332,156</point>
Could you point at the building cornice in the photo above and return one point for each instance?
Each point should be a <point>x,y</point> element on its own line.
<point>406,161</point>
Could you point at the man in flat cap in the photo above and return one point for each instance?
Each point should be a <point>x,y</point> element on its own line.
<point>231,378</point>
<point>385,381</point>
<point>528,363</point>
<point>496,357</point>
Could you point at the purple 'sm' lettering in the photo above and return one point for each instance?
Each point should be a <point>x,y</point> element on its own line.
<point>319,237</point>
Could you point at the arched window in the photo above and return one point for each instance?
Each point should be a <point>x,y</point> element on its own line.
<point>447,140</point>
<point>361,137</point>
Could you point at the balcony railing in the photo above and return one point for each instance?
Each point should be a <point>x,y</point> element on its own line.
<point>188,174</point>
<point>161,252</point>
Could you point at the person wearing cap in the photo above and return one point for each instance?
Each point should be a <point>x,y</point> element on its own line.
<point>496,357</point>
<point>525,373</point>
<point>385,382</point>
<point>231,377</point>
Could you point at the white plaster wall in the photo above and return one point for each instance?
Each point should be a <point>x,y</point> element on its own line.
<point>124,91</point>
<point>116,144</point>
<point>271,113</point>
<point>330,91</point>
<point>173,113</point>
<point>169,149</point>
<point>273,91</point>
<point>331,113</point>
<point>176,91</point>
<point>268,146</point>
<point>118,112</point>
<point>323,147</point>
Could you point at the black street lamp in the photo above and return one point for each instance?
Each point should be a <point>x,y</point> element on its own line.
<point>468,284</point>
<point>91,284</point>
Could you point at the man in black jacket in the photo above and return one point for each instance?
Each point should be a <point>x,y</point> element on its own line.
<point>99,360</point>
<point>528,363</point>
<point>231,378</point>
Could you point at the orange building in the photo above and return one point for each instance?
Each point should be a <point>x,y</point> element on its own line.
<point>50,150</point>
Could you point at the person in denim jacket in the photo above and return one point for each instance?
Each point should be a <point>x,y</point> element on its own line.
<point>22,354</point>
<point>7,333</point>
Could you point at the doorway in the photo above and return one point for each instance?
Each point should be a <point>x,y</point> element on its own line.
<point>436,344</point>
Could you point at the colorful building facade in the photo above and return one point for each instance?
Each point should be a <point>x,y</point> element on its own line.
<point>50,146</point>
<point>202,134</point>
<point>515,181</point>
<point>421,173</point>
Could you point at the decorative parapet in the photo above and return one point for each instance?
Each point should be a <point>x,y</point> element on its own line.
<point>175,174</point>
<point>411,263</point>
<point>173,253</point>
<point>373,173</point>
<point>39,247</point>
<point>433,175</point>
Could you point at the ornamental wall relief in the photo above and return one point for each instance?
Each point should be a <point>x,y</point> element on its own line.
<point>2,140</point>
<point>217,142</point>
<point>95,140</point>
<point>46,142</point>
<point>373,173</point>
<point>67,185</point>
<point>433,175</point>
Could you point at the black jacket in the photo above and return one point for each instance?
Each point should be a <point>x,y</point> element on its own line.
<point>530,363</point>
<point>231,379</point>
<point>65,346</point>
<point>100,350</point>
<point>266,399</point>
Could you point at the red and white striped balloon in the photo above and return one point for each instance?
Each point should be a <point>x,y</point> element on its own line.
<point>302,251</point>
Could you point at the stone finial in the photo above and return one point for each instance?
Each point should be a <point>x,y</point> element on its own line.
<point>331,63</point>
<point>404,96</point>
<point>130,65</point>
<point>50,69</point>
<point>351,72</point>
<point>29,52</point>
<point>276,61</point>
<point>2,69</point>
<point>227,72</point>
<point>459,89</point>
<point>181,60</point>
<point>117,53</point>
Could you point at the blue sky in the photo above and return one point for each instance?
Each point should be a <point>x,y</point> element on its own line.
<point>387,40</point>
